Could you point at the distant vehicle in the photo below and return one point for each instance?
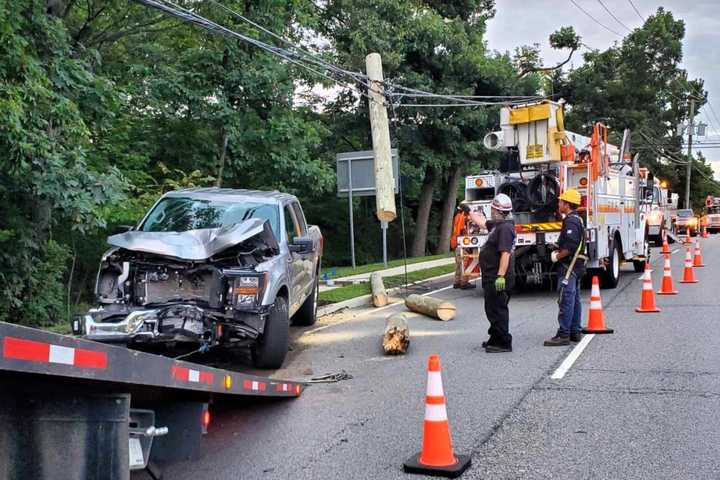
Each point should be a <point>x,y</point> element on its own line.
<point>659,205</point>
<point>711,218</point>
<point>685,222</point>
<point>209,268</point>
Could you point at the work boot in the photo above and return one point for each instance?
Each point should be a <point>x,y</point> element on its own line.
<point>497,349</point>
<point>467,286</point>
<point>557,341</point>
<point>456,285</point>
<point>576,336</point>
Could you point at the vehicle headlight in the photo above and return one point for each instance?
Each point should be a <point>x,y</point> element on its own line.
<point>692,221</point>
<point>246,291</point>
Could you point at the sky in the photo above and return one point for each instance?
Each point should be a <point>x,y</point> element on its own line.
<point>524,22</point>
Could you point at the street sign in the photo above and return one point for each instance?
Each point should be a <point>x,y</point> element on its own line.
<point>362,174</point>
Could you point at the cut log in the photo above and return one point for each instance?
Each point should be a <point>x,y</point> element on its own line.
<point>432,307</point>
<point>396,337</point>
<point>379,295</point>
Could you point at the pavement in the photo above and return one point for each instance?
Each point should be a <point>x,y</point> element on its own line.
<point>639,404</point>
<point>388,272</point>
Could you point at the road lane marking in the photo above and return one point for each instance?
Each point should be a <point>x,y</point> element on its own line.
<point>574,355</point>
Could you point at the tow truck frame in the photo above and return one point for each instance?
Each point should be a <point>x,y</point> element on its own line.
<point>82,410</point>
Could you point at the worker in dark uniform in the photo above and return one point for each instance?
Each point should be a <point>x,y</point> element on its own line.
<point>497,268</point>
<point>570,244</point>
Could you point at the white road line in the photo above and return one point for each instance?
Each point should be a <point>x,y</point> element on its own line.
<point>570,359</point>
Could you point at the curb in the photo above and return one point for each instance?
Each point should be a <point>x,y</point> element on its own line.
<point>364,301</point>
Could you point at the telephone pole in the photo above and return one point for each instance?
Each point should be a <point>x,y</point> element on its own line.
<point>384,184</point>
<point>691,127</point>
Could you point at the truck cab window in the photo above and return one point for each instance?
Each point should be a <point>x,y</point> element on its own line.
<point>291,227</point>
<point>300,218</point>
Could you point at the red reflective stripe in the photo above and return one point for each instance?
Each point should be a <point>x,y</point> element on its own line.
<point>431,400</point>
<point>29,350</point>
<point>262,387</point>
<point>207,377</point>
<point>90,359</point>
<point>247,384</point>
<point>180,373</point>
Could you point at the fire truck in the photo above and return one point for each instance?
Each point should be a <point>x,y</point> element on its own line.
<point>711,214</point>
<point>542,160</point>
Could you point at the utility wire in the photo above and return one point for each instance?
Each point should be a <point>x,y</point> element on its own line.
<point>636,10</point>
<point>613,16</point>
<point>595,19</point>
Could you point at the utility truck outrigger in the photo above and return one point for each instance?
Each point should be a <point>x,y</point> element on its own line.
<point>542,161</point>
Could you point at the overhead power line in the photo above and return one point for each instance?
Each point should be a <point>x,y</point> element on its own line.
<point>636,10</point>
<point>613,16</point>
<point>595,19</point>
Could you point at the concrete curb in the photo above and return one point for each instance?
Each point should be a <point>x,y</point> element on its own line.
<point>364,301</point>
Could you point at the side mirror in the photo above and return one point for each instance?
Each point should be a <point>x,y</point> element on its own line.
<point>302,245</point>
<point>118,229</point>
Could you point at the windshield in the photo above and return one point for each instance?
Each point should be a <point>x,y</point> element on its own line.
<point>685,213</point>
<point>179,214</point>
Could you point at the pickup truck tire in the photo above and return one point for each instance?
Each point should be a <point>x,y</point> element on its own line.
<point>307,313</point>
<point>271,348</point>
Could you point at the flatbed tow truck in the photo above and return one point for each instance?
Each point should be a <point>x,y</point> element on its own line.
<point>75,409</point>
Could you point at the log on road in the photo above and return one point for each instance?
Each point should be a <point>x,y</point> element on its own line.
<point>379,295</point>
<point>432,307</point>
<point>396,337</point>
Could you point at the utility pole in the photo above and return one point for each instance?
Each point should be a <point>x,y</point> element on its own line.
<point>384,184</point>
<point>691,127</point>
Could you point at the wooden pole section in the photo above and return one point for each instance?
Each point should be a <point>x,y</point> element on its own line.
<point>384,184</point>
<point>432,307</point>
<point>379,295</point>
<point>396,337</point>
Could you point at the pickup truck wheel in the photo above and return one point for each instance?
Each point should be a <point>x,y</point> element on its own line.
<point>611,275</point>
<point>307,314</point>
<point>271,348</point>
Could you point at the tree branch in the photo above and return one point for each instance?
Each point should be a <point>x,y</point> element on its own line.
<point>527,71</point>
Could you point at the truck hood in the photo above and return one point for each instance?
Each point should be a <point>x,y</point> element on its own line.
<point>197,245</point>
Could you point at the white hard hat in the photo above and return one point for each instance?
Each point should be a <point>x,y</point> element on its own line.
<point>502,202</point>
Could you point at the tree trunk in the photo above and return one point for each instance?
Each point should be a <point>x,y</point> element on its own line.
<point>396,337</point>
<point>447,210</point>
<point>423,214</point>
<point>432,307</point>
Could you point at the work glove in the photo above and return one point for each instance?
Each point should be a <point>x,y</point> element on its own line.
<point>554,256</point>
<point>500,284</point>
<point>465,208</point>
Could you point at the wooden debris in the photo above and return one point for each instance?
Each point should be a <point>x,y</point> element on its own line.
<point>396,337</point>
<point>432,307</point>
<point>379,295</point>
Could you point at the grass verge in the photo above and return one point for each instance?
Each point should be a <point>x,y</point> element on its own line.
<point>347,292</point>
<point>374,267</point>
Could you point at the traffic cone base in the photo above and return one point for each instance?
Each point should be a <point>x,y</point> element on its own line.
<point>413,465</point>
<point>596,317</point>
<point>437,457</point>
<point>672,292</point>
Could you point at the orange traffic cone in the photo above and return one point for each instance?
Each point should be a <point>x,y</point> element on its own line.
<point>688,272</point>
<point>437,457</point>
<point>667,282</point>
<point>666,246</point>
<point>697,259</point>
<point>647,297</point>
<point>705,233</point>
<point>596,318</point>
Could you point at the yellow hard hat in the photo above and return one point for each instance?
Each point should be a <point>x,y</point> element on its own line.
<point>571,196</point>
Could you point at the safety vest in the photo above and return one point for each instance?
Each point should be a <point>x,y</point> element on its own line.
<point>458,228</point>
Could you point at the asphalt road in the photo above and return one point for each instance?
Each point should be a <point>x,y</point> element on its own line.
<point>640,404</point>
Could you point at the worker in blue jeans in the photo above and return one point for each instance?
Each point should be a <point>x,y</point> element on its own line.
<point>571,244</point>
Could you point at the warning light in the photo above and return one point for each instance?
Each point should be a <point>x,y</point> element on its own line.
<point>479,182</point>
<point>206,419</point>
<point>466,241</point>
<point>228,382</point>
<point>583,182</point>
<point>474,241</point>
<point>663,184</point>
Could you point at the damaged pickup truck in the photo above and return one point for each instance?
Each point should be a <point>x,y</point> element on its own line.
<point>209,268</point>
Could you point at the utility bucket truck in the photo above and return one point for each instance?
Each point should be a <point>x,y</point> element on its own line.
<point>543,160</point>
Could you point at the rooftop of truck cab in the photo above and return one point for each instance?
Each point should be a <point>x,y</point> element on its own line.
<point>233,195</point>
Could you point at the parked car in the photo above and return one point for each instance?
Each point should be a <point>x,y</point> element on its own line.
<point>210,268</point>
<point>685,222</point>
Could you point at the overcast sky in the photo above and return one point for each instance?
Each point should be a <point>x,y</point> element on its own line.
<point>522,22</point>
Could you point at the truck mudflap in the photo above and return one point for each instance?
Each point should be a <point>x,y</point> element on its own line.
<point>28,350</point>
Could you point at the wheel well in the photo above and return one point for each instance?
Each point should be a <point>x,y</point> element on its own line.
<point>282,292</point>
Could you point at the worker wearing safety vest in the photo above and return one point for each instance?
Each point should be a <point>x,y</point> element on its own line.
<point>571,243</point>
<point>497,258</point>
<point>460,228</point>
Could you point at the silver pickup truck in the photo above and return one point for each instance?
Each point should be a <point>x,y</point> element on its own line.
<point>209,269</point>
